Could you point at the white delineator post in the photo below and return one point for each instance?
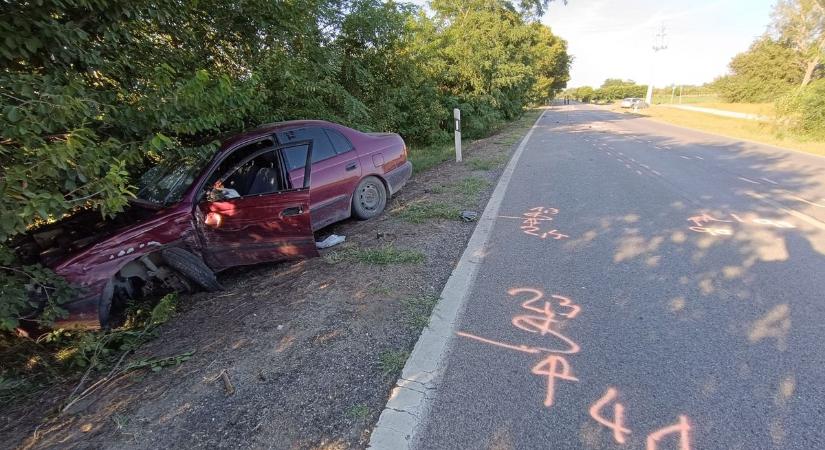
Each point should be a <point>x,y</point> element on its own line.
<point>457,116</point>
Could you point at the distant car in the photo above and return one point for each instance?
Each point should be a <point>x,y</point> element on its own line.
<point>633,102</point>
<point>628,102</point>
<point>258,199</point>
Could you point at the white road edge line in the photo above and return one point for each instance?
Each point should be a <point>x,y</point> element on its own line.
<point>414,391</point>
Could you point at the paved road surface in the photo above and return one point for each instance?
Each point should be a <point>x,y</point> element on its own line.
<point>680,284</point>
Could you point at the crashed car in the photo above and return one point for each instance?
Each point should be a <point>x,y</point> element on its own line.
<point>258,199</point>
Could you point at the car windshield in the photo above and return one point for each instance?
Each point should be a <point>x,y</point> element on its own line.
<point>165,184</point>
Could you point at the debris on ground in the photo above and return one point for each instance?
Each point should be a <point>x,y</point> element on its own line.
<point>469,216</point>
<point>330,241</point>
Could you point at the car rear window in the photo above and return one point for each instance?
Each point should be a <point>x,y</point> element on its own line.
<point>339,142</point>
<point>296,156</point>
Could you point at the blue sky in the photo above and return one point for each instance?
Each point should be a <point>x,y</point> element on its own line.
<point>613,38</point>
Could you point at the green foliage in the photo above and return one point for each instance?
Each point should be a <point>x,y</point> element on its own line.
<point>421,212</point>
<point>29,366</point>
<point>94,92</point>
<point>417,310</point>
<point>612,82</point>
<point>583,93</point>
<point>615,92</point>
<point>763,73</point>
<point>391,362</point>
<point>802,111</point>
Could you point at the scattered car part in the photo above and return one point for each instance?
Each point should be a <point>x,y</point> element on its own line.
<point>330,241</point>
<point>469,216</point>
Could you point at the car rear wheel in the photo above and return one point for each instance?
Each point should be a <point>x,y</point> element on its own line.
<point>369,199</point>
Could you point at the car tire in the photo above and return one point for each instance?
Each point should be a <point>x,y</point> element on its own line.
<point>192,267</point>
<point>369,198</point>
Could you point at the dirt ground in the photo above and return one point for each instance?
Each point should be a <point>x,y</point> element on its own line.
<point>310,349</point>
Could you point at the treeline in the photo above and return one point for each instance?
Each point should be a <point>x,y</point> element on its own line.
<point>611,90</point>
<point>94,91</point>
<point>786,66</point>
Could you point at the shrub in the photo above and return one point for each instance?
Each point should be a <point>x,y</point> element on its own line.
<point>802,111</point>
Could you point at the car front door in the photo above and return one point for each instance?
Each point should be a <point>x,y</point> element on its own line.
<point>253,214</point>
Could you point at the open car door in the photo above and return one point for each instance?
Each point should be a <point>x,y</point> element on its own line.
<point>262,218</point>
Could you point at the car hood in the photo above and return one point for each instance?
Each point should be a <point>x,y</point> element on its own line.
<point>53,242</point>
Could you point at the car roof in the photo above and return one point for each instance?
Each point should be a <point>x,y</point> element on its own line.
<point>269,128</point>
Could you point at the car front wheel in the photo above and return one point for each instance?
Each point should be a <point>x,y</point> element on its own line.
<point>369,199</point>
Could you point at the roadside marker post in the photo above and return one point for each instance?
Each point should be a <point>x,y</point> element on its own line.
<point>457,116</point>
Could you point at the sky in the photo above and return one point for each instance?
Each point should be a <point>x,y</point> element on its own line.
<point>614,38</point>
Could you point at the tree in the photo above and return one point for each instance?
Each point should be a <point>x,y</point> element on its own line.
<point>610,82</point>
<point>764,72</point>
<point>802,24</point>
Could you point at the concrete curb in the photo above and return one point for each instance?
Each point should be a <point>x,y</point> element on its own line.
<point>414,391</point>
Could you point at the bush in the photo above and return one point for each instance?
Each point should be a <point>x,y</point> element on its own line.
<point>802,111</point>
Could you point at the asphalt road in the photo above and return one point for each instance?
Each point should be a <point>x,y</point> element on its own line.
<point>689,275</point>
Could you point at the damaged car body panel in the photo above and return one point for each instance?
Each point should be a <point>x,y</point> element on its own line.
<point>250,203</point>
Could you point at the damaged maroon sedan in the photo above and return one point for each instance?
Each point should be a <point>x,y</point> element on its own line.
<point>252,203</point>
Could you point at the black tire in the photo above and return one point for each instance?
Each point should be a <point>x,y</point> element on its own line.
<point>369,198</point>
<point>192,267</point>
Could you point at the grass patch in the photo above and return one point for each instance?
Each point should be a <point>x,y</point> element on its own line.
<point>417,310</point>
<point>391,362</point>
<point>486,163</point>
<point>375,256</point>
<point>358,412</point>
<point>421,212</point>
<point>380,289</point>
<point>735,128</point>
<point>425,158</point>
<point>470,186</point>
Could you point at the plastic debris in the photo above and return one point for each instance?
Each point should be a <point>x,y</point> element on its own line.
<point>469,216</point>
<point>330,241</point>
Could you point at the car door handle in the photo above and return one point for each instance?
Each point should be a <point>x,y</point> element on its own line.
<point>352,166</point>
<point>293,211</point>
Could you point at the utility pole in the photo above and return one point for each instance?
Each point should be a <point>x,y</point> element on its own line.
<point>657,47</point>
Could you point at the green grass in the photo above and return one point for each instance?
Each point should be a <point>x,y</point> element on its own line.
<point>736,128</point>
<point>358,412</point>
<point>486,163</point>
<point>417,310</point>
<point>470,186</point>
<point>421,212</point>
<point>391,362</point>
<point>380,290</point>
<point>425,158</point>
<point>376,256</point>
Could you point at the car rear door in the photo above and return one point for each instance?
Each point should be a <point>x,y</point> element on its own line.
<point>335,172</point>
<point>262,223</point>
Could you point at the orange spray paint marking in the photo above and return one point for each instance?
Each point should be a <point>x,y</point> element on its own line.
<point>533,218</point>
<point>775,223</point>
<point>617,425</point>
<point>549,367</point>
<point>538,295</point>
<point>519,347</point>
<point>682,427</point>
<point>712,231</point>
<point>704,218</point>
